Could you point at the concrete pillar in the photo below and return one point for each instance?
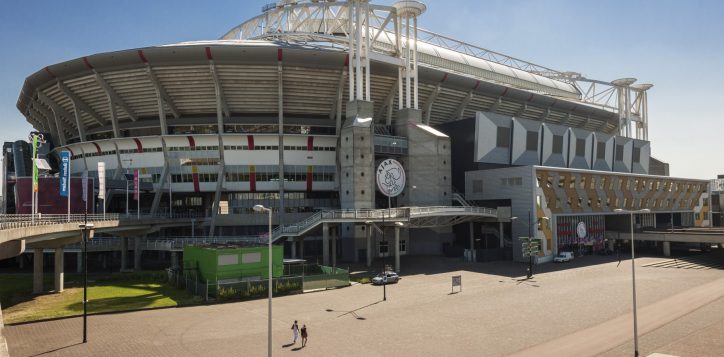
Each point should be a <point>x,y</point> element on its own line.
<point>501,236</point>
<point>37,271</point>
<point>59,275</point>
<point>124,253</point>
<point>667,249</point>
<point>397,249</point>
<point>369,245</point>
<point>79,262</point>
<point>325,244</point>
<point>174,260</point>
<point>104,261</point>
<point>335,233</point>
<point>472,238</point>
<point>137,254</point>
<point>301,247</point>
<point>294,248</point>
<point>21,261</point>
<point>611,244</point>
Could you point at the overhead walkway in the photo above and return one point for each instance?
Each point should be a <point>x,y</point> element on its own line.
<point>412,217</point>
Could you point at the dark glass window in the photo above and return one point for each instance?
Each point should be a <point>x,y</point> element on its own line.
<point>503,137</point>
<point>637,155</point>
<point>601,150</point>
<point>557,144</point>
<point>580,147</point>
<point>619,152</point>
<point>531,141</point>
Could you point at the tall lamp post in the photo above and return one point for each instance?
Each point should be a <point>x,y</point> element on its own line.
<point>633,274</point>
<point>261,208</point>
<point>85,227</point>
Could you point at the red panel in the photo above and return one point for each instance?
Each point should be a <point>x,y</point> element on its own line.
<point>310,143</point>
<point>143,58</point>
<point>252,178</point>
<point>98,148</point>
<point>208,53</point>
<point>49,72</point>
<point>139,147</point>
<point>505,91</point>
<point>195,176</point>
<point>279,54</point>
<point>250,141</point>
<point>346,60</point>
<point>87,64</point>
<point>49,199</point>
<point>192,142</point>
<point>71,151</point>
<point>477,84</point>
<point>444,78</point>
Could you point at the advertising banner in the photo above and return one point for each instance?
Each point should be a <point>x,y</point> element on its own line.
<point>101,180</point>
<point>49,190</point>
<point>136,183</point>
<point>64,173</point>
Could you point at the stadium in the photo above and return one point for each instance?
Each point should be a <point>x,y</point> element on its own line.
<point>295,109</point>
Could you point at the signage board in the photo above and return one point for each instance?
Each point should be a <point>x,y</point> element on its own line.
<point>390,177</point>
<point>102,180</point>
<point>64,173</point>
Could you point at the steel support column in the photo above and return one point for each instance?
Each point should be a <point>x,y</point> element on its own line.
<point>59,275</point>
<point>325,244</point>
<point>37,271</point>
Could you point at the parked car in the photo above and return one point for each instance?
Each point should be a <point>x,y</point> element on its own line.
<point>563,257</point>
<point>388,277</point>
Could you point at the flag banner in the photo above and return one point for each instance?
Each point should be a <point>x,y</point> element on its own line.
<point>85,185</point>
<point>35,164</point>
<point>102,180</point>
<point>136,184</point>
<point>64,173</point>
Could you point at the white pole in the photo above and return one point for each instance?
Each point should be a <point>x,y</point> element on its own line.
<point>633,283</point>
<point>269,327</point>
<point>126,193</point>
<point>170,199</point>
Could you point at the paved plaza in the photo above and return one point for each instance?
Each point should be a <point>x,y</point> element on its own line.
<point>581,308</point>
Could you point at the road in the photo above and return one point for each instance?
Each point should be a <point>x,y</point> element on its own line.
<point>496,314</point>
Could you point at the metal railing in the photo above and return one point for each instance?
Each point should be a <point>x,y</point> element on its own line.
<point>12,221</point>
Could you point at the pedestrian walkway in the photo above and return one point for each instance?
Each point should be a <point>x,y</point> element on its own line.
<point>707,261</point>
<point>610,334</point>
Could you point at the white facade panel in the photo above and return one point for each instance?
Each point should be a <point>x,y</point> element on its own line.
<point>580,152</point>
<point>526,142</point>
<point>493,138</point>
<point>554,146</point>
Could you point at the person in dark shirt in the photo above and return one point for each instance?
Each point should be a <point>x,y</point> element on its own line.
<point>304,335</point>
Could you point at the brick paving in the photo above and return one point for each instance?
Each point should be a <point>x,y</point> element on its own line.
<point>494,315</point>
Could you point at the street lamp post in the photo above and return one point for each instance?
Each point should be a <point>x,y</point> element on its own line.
<point>261,208</point>
<point>633,274</point>
<point>85,227</point>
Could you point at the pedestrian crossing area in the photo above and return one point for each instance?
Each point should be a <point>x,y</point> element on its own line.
<point>700,262</point>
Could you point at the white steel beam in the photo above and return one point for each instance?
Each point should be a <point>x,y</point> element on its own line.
<point>114,118</point>
<point>58,112</point>
<point>460,111</point>
<point>430,101</point>
<point>387,104</point>
<point>79,103</point>
<point>221,106</point>
<point>546,113</point>
<point>496,104</point>
<point>522,110</point>
<point>114,97</point>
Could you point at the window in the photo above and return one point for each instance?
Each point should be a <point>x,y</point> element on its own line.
<point>557,144</point>
<point>619,152</point>
<point>601,150</point>
<point>637,155</point>
<point>383,247</point>
<point>531,141</point>
<point>580,147</point>
<point>503,137</point>
<point>248,258</point>
<point>477,186</point>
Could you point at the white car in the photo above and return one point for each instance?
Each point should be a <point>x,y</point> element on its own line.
<point>388,277</point>
<point>563,257</point>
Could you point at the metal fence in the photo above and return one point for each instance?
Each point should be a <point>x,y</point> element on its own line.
<point>11,221</point>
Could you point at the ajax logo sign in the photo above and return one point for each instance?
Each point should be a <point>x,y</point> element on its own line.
<point>390,177</point>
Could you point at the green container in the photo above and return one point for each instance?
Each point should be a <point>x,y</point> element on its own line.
<point>217,263</point>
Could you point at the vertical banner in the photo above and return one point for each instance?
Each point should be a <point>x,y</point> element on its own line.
<point>102,180</point>
<point>85,186</point>
<point>136,188</point>
<point>64,173</point>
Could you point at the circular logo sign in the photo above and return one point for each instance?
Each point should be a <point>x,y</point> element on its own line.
<point>581,230</point>
<point>390,177</point>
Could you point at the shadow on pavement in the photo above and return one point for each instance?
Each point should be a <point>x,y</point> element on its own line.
<point>58,349</point>
<point>354,312</point>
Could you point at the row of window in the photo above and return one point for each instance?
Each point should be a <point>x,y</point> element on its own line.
<point>113,152</point>
<point>615,202</point>
<point>622,183</point>
<point>531,144</point>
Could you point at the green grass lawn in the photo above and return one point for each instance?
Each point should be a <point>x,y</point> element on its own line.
<point>117,292</point>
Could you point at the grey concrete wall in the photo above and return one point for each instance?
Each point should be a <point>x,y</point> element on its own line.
<point>625,144</point>
<point>642,166</point>
<point>514,183</point>
<point>520,155</point>
<point>549,158</point>
<point>486,127</point>
<point>605,163</point>
<point>580,161</point>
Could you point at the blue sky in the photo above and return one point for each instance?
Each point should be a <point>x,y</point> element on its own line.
<point>676,45</point>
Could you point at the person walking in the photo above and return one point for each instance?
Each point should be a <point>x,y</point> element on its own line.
<point>304,335</point>
<point>295,331</point>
